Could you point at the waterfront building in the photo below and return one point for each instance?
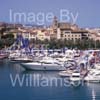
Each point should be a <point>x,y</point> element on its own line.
<point>68,31</point>
<point>43,34</point>
<point>15,32</point>
<point>94,33</point>
<point>58,30</point>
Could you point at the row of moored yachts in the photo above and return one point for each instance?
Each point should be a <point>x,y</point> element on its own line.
<point>75,64</point>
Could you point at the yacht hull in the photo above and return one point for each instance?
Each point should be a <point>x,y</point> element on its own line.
<point>42,66</point>
<point>93,80</point>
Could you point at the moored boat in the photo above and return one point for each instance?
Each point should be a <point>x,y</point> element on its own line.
<point>93,76</point>
<point>3,56</point>
<point>66,73</point>
<point>47,63</point>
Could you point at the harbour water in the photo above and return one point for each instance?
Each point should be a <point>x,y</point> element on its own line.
<point>86,91</point>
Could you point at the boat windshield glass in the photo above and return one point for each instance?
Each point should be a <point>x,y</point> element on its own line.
<point>76,76</point>
<point>98,74</point>
<point>91,73</point>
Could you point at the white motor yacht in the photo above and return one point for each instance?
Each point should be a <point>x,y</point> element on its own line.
<point>14,54</point>
<point>47,63</point>
<point>3,56</point>
<point>21,59</point>
<point>93,76</point>
<point>66,73</point>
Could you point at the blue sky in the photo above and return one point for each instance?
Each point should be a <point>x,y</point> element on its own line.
<point>88,10</point>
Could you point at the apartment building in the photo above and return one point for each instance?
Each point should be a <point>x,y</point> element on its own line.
<point>68,31</point>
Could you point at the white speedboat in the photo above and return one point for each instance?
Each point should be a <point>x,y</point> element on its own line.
<point>47,63</point>
<point>14,54</point>
<point>66,73</point>
<point>21,59</point>
<point>3,56</point>
<point>93,76</point>
<point>76,79</point>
